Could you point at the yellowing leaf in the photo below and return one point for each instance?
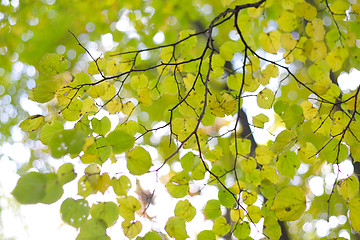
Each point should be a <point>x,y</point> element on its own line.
<point>139,81</point>
<point>348,187</point>
<point>128,108</point>
<point>96,91</point>
<point>318,51</point>
<point>354,213</point>
<point>103,183</point>
<point>185,210</point>
<point>287,41</point>
<point>145,96</point>
<point>131,229</point>
<point>289,204</point>
<point>113,107</point>
<point>270,42</point>
<point>287,21</point>
<point>138,161</point>
<point>88,107</point>
<point>308,110</point>
<point>221,105</point>
<point>121,185</point>
<point>175,227</point>
<point>264,155</point>
<point>305,10</point>
<point>316,29</point>
<point>265,98</point>
<point>307,153</point>
<point>338,8</point>
<point>255,213</point>
<point>236,214</point>
<point>220,226</point>
<point>128,206</point>
<point>32,123</point>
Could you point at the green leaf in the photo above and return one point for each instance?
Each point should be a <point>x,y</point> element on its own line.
<point>101,127</point>
<point>188,162</point>
<point>121,186</point>
<point>227,50</point>
<point>120,141</point>
<point>212,209</point>
<point>93,229</point>
<point>289,204</point>
<point>131,229</point>
<point>175,227</point>
<point>259,120</point>
<point>31,188</point>
<point>128,206</point>
<point>44,91</point>
<point>32,123</point>
<point>242,230</point>
<point>67,141</point>
<point>206,235</point>
<point>226,199</point>
<point>74,212</point>
<point>220,226</point>
<point>52,64</point>
<point>288,163</point>
<point>106,211</point>
<point>178,185</point>
<point>272,228</point>
<point>54,190</point>
<point>185,210</point>
<point>138,161</point>
<point>265,98</point>
<point>66,173</point>
<point>150,236</point>
<point>49,130</point>
<point>293,116</point>
<point>284,141</point>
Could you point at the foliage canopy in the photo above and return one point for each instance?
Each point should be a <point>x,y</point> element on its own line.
<point>173,112</point>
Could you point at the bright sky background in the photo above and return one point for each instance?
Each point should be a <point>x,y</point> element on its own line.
<point>42,222</point>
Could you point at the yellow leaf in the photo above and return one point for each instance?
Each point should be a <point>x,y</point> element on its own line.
<point>89,107</point>
<point>113,107</point>
<point>145,96</point>
<point>32,123</point>
<point>265,98</point>
<point>308,110</point>
<point>316,29</point>
<point>128,108</point>
<point>305,10</point>
<point>287,21</point>
<point>287,41</point>
<point>318,51</point>
<point>96,91</point>
<point>270,42</point>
